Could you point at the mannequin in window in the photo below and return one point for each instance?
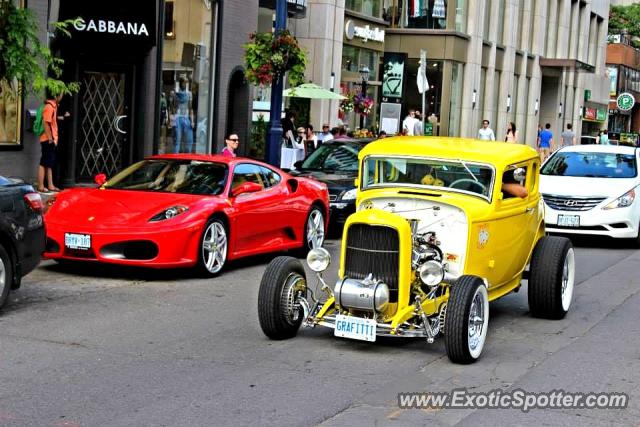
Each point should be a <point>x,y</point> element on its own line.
<point>183,111</point>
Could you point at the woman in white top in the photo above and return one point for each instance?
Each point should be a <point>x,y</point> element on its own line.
<point>512,133</point>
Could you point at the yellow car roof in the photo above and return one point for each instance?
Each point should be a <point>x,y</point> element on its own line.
<point>499,154</point>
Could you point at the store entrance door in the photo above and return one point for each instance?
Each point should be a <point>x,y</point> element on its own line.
<point>105,120</point>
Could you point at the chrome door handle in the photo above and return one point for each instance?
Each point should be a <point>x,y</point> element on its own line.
<point>529,210</point>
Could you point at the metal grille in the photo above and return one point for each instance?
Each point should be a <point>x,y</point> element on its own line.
<point>571,203</point>
<point>373,249</point>
<point>100,145</point>
<point>333,197</point>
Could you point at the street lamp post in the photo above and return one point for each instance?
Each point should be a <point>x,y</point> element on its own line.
<point>275,129</point>
<point>364,76</point>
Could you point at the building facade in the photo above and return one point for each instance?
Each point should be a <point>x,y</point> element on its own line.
<point>623,66</point>
<point>156,76</point>
<point>529,62</point>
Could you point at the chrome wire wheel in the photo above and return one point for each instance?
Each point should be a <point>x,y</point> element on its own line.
<point>294,286</point>
<point>568,279</point>
<point>214,247</point>
<point>315,229</point>
<point>478,319</point>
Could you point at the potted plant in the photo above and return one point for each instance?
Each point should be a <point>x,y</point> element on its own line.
<point>268,55</point>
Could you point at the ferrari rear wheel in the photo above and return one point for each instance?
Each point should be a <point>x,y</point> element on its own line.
<point>313,230</point>
<point>213,247</point>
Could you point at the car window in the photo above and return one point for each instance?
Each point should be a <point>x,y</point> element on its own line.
<point>269,176</point>
<point>419,172</point>
<point>591,164</point>
<point>246,172</point>
<point>508,178</point>
<point>172,176</point>
<point>341,157</point>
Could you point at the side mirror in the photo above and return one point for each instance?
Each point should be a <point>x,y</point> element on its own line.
<point>298,164</point>
<point>519,175</point>
<point>247,187</point>
<point>100,178</point>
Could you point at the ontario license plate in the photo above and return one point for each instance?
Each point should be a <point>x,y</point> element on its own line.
<point>355,328</point>
<point>77,241</point>
<point>569,220</point>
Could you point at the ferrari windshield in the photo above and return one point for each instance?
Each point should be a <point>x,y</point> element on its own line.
<point>172,176</point>
<point>450,175</point>
<point>591,164</point>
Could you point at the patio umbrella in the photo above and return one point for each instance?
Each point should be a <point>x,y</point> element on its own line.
<point>313,91</point>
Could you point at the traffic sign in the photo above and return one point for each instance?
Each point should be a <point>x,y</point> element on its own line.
<point>626,101</point>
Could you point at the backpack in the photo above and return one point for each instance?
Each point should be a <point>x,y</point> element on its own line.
<point>38,124</point>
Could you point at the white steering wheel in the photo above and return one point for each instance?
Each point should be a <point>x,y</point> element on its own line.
<point>483,188</point>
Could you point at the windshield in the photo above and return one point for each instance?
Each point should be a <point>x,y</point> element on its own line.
<point>334,157</point>
<point>590,164</point>
<point>459,176</point>
<point>172,176</point>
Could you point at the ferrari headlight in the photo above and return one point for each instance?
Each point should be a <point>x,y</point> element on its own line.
<point>431,273</point>
<point>349,195</point>
<point>318,259</point>
<point>169,213</point>
<point>623,201</point>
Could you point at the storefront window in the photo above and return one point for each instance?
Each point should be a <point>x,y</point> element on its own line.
<point>456,98</point>
<point>186,85</point>
<point>354,57</point>
<point>412,99</point>
<point>428,14</point>
<point>365,7</point>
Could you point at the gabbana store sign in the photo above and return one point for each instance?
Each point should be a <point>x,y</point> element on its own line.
<point>116,21</point>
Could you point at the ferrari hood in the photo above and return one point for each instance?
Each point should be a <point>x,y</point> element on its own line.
<point>96,208</point>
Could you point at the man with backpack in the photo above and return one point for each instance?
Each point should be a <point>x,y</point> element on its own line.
<point>46,126</point>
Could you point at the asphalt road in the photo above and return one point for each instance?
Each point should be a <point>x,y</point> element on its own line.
<point>92,345</point>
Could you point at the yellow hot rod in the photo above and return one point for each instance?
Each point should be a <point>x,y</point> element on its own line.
<point>442,226</point>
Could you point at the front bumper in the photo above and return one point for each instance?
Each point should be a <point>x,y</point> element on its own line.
<point>177,246</point>
<point>340,211</point>
<point>620,223</point>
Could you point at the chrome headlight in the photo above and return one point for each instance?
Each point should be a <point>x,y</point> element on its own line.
<point>349,195</point>
<point>623,201</point>
<point>169,213</point>
<point>431,273</point>
<point>318,259</point>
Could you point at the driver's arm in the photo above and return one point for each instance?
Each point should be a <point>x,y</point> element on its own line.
<point>515,189</point>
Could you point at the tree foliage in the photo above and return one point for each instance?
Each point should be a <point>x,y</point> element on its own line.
<point>625,20</point>
<point>24,58</point>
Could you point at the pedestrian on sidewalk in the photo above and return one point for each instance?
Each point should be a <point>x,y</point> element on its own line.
<point>568,137</point>
<point>545,142</point>
<point>512,133</point>
<point>485,132</point>
<point>231,141</point>
<point>49,142</point>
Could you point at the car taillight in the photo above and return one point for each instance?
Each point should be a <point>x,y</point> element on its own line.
<point>34,201</point>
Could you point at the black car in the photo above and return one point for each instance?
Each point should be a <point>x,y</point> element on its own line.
<point>22,233</point>
<point>336,164</point>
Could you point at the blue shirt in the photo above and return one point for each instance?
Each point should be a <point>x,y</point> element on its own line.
<point>545,138</point>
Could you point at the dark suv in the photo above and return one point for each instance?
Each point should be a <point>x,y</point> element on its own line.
<point>336,164</point>
<point>22,233</point>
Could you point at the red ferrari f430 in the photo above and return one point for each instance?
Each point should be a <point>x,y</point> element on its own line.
<point>187,211</point>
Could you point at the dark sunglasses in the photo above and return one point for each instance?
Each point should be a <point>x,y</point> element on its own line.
<point>234,139</point>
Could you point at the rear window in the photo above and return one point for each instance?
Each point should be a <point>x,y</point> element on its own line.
<point>593,165</point>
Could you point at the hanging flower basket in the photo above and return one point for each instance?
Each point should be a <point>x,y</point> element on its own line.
<point>268,56</point>
<point>363,104</point>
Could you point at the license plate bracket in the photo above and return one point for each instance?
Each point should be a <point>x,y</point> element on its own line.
<point>569,221</point>
<point>355,328</point>
<point>77,241</point>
